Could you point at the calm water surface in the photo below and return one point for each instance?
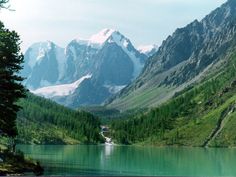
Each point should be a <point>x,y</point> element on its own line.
<point>130,160</point>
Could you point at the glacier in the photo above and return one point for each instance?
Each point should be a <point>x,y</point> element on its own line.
<point>60,90</point>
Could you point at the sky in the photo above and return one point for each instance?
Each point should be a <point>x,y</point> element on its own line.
<point>144,22</point>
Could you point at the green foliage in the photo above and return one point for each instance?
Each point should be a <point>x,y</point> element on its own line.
<point>10,87</point>
<point>101,111</point>
<point>3,3</point>
<point>16,163</point>
<point>189,117</point>
<point>227,138</point>
<point>42,121</point>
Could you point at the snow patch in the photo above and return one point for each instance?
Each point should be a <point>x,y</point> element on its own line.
<point>60,90</point>
<point>146,49</point>
<point>124,43</point>
<point>61,60</point>
<point>73,52</point>
<point>44,83</point>
<point>38,51</point>
<point>82,41</point>
<point>97,40</point>
<point>102,36</point>
<point>113,89</point>
<point>109,35</point>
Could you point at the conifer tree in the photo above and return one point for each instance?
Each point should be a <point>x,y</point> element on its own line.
<point>11,88</point>
<point>3,3</point>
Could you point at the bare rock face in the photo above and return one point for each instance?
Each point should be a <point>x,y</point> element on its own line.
<point>197,45</point>
<point>189,51</point>
<point>108,57</point>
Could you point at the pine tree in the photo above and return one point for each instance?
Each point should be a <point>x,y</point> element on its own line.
<point>11,88</point>
<point>3,3</point>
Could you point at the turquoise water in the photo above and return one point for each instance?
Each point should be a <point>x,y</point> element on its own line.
<point>132,160</point>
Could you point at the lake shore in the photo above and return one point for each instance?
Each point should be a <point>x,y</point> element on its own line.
<point>17,164</point>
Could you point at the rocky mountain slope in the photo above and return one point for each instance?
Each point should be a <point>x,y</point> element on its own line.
<point>182,59</point>
<point>201,115</point>
<point>86,72</point>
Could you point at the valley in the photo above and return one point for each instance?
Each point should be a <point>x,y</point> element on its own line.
<point>193,117</point>
<point>173,100</point>
<point>102,106</point>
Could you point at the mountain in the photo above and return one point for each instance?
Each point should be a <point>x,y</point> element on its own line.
<point>201,115</point>
<point>182,59</point>
<point>44,65</point>
<point>86,72</point>
<point>148,50</point>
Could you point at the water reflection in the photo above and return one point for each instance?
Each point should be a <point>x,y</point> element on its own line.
<point>128,160</point>
<point>108,150</point>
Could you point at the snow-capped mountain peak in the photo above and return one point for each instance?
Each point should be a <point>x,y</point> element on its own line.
<point>148,49</point>
<point>38,51</point>
<point>43,44</point>
<point>99,39</point>
<point>47,54</point>
<point>102,36</point>
<point>106,36</point>
<point>59,73</point>
<point>128,48</point>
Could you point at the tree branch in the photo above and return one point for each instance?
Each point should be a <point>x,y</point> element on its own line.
<point>3,4</point>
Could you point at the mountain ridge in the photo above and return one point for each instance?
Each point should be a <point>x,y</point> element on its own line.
<point>181,58</point>
<point>108,56</point>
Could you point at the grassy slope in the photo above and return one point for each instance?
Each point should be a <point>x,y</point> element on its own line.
<point>194,133</point>
<point>197,116</point>
<point>150,95</point>
<point>141,98</point>
<point>228,135</point>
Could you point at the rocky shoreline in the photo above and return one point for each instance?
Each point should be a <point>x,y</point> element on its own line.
<point>15,164</point>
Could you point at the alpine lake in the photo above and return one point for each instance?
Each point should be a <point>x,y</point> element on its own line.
<point>103,160</point>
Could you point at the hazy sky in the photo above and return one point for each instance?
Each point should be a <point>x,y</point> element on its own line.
<point>142,21</point>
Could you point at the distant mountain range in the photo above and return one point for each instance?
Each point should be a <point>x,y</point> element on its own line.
<point>86,72</point>
<point>107,67</point>
<point>183,58</point>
